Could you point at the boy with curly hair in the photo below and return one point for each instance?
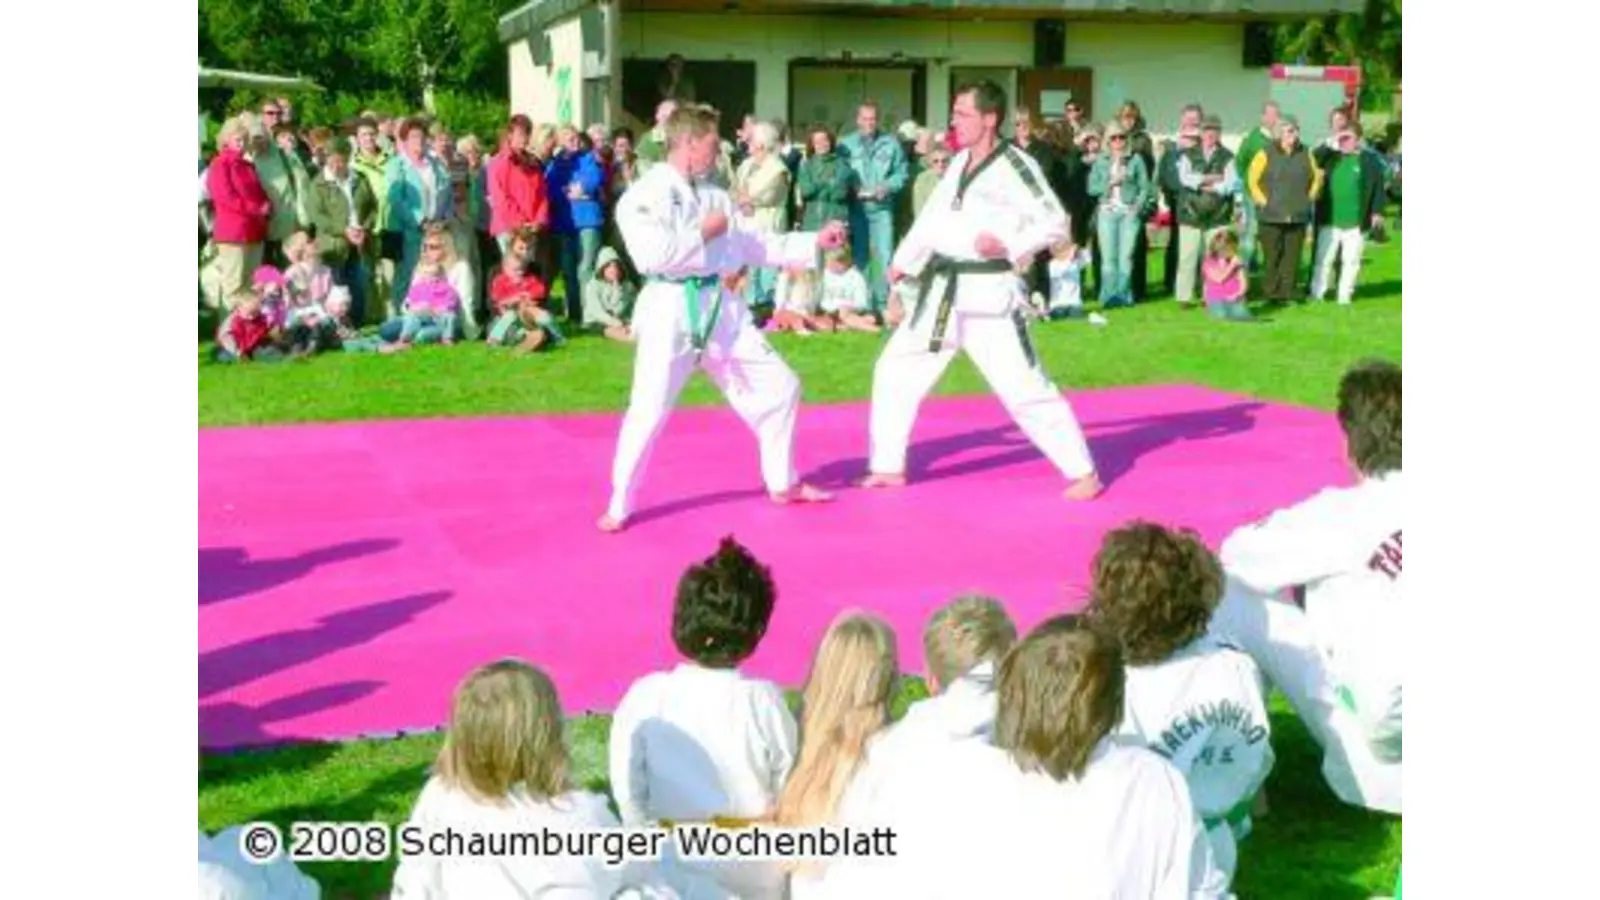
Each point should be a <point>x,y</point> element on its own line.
<point>703,742</point>
<point>1338,660</point>
<point>1190,696</point>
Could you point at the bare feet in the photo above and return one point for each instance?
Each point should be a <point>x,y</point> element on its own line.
<point>882,480</point>
<point>1086,488</point>
<point>610,524</point>
<point>802,493</point>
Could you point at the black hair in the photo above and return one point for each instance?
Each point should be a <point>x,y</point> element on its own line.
<point>723,607</point>
<point>987,96</point>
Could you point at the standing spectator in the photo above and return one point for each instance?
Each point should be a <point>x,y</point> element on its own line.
<point>826,185</point>
<point>517,197</point>
<point>470,149</point>
<point>761,189</point>
<point>936,158</point>
<point>1350,206</point>
<point>1122,184</point>
<point>1207,183</point>
<point>1166,173</point>
<point>880,167</point>
<point>792,155</point>
<point>1285,181</point>
<point>625,168</point>
<point>1027,133</point>
<point>419,193</point>
<point>341,208</point>
<point>241,209</point>
<point>674,83</point>
<point>289,151</point>
<point>1249,148</point>
<point>371,162</point>
<point>277,179</point>
<point>317,143</point>
<point>1076,162</point>
<point>573,182</point>
<point>1072,111</point>
<point>1140,145</point>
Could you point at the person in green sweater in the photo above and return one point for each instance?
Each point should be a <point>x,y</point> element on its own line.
<point>1249,148</point>
<point>826,183</point>
<point>371,162</point>
<point>1350,206</point>
<point>608,298</point>
<point>341,209</point>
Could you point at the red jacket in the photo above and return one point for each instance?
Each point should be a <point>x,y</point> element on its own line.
<point>241,205</point>
<point>504,287</point>
<point>516,194</point>
<point>245,335</point>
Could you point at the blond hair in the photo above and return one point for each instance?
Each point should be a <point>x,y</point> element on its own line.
<point>540,137</point>
<point>505,731</point>
<point>1059,694</point>
<point>231,129</point>
<point>963,633</point>
<point>690,120</point>
<point>443,232</point>
<point>846,702</point>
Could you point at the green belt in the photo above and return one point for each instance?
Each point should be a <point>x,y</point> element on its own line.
<point>951,269</point>
<point>1234,817</point>
<point>694,288</point>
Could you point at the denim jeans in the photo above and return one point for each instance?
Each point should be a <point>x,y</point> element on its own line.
<point>578,252</point>
<point>872,245</point>
<point>1247,231</point>
<point>352,274</point>
<point>404,268</point>
<point>1118,230</point>
<point>414,329</point>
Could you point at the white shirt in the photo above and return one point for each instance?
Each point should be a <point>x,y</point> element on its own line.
<point>1007,197</point>
<point>845,290</point>
<point>1203,710</point>
<point>1125,831</point>
<point>791,295</point>
<point>1343,545</point>
<point>442,807</point>
<point>226,875</point>
<point>1066,279</point>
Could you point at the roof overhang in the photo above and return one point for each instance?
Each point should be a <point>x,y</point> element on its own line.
<point>227,78</point>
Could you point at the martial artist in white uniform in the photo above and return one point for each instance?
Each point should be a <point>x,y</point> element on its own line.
<point>684,235</point>
<point>1338,660</point>
<point>990,214</point>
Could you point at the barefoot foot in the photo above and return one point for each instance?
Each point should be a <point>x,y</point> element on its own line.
<point>802,493</point>
<point>610,524</point>
<point>1086,488</point>
<point>882,480</point>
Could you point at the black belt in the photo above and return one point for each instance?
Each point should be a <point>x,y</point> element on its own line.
<point>951,269</point>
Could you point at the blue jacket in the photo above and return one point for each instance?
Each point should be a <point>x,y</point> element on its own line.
<point>881,163</point>
<point>406,193</point>
<point>567,215</point>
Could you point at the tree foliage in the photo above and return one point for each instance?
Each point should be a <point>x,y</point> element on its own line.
<point>1370,39</point>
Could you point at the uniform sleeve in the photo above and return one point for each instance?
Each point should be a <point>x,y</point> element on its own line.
<point>1291,547</point>
<point>920,242</point>
<point>781,736</point>
<point>657,245</point>
<point>1043,222</point>
<point>418,876</point>
<point>1184,867</point>
<point>746,245</point>
<point>627,765</point>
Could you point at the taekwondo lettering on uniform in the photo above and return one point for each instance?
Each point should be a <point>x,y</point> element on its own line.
<point>1386,558</point>
<point>1199,719</point>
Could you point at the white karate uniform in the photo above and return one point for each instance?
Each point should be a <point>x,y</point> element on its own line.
<point>970,823</point>
<point>225,873</point>
<point>695,744</point>
<point>1339,660</point>
<point>1010,199</point>
<point>1203,710</point>
<point>1066,280</point>
<point>442,807</point>
<point>659,218</point>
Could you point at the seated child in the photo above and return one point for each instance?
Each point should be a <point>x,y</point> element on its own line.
<point>307,284</point>
<point>504,769</point>
<point>1339,660</point>
<point>608,297</point>
<point>845,298</point>
<point>846,706</point>
<point>432,305</point>
<point>1190,697</point>
<point>794,303</point>
<point>518,295</point>
<point>703,742</point>
<point>338,307</point>
<point>246,334</point>
<point>1067,264</point>
<point>1225,279</point>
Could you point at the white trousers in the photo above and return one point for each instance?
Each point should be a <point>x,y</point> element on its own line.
<point>1346,245</point>
<point>762,389</point>
<point>998,344</point>
<point>1279,637</point>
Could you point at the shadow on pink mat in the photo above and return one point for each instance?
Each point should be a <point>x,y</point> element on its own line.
<point>227,573</point>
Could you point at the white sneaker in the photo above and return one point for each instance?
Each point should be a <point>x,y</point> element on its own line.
<point>1098,320</point>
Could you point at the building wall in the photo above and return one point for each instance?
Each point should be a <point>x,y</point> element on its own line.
<point>1161,66</point>
<point>553,91</point>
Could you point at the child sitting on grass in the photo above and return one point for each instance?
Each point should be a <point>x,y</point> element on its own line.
<point>608,298</point>
<point>519,296</point>
<point>703,742</point>
<point>307,284</point>
<point>1190,697</point>
<point>504,769</point>
<point>845,298</point>
<point>246,334</point>
<point>432,305</point>
<point>1225,279</point>
<point>794,303</point>
<point>1067,264</point>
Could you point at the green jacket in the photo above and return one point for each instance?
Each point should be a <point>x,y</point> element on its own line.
<point>826,185</point>
<point>276,171</point>
<point>328,212</point>
<point>1253,143</point>
<point>606,304</point>
<point>372,169</point>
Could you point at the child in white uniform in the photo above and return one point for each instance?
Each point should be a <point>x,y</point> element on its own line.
<point>702,742</point>
<point>1067,264</point>
<point>225,873</point>
<point>1338,660</point>
<point>1191,698</point>
<point>504,768</point>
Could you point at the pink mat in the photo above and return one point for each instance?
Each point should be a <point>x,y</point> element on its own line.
<point>351,574</point>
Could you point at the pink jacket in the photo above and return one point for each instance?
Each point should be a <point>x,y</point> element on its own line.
<point>436,294</point>
<point>240,202</point>
<point>516,194</point>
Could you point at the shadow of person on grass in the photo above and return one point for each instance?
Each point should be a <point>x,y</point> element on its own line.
<point>236,664</point>
<point>229,726</point>
<point>228,572</point>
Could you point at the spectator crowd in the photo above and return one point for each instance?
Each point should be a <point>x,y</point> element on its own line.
<point>309,235</point>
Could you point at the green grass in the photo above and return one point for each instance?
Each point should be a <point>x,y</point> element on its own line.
<point>1309,846</point>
